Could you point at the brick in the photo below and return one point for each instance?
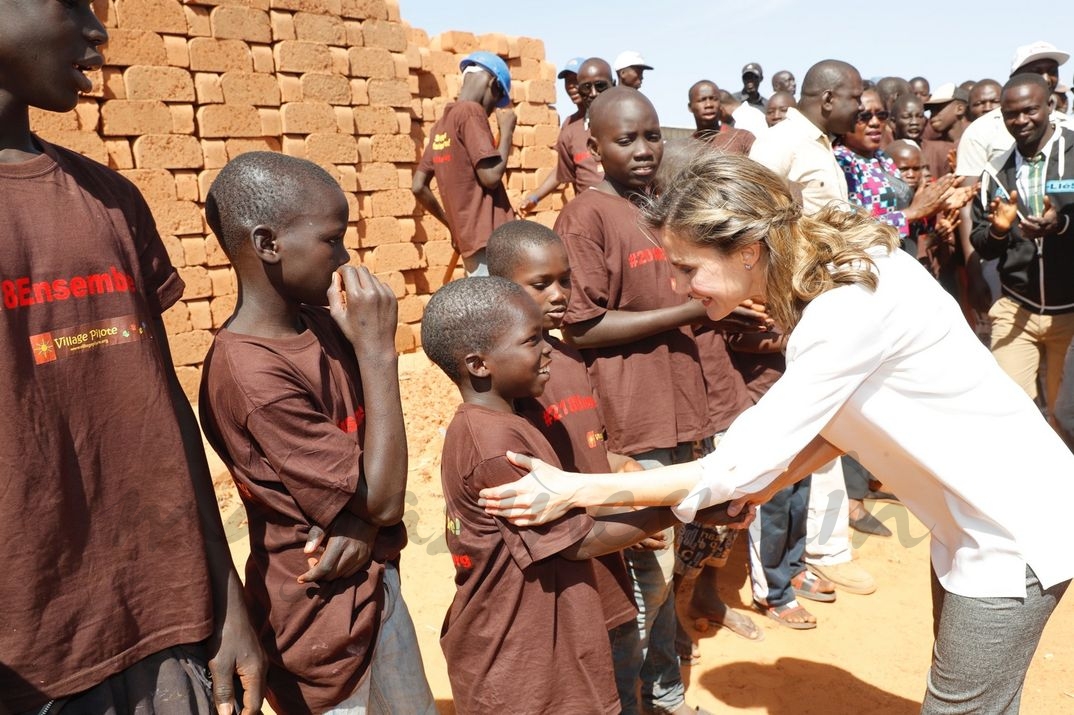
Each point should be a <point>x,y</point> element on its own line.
<point>135,47</point>
<point>413,56</point>
<point>231,22</point>
<point>197,282</point>
<point>354,33</point>
<point>429,229</point>
<point>410,309</point>
<point>214,55</point>
<point>271,122</point>
<point>533,114</point>
<point>461,43</point>
<point>177,317</point>
<point>182,118</point>
<point>442,63</point>
<point>538,157</point>
<point>154,15</point>
<point>404,123</point>
<point>215,151</point>
<point>389,35</point>
<point>190,380</point>
<point>438,253</point>
<point>177,51</point>
<point>194,252</point>
<point>363,9</point>
<point>178,218</point>
<point>365,149</point>
<point>392,92</point>
<point>394,14</point>
<point>395,202</point>
<point>545,135</point>
<point>298,56</point>
<point>524,69</point>
<point>197,21</point>
<point>494,42</point>
<point>341,63</point>
<point>208,89</point>
<point>234,147</point>
<point>404,338</point>
<point>222,308</point>
<point>186,186</point>
<point>531,48</point>
<point>205,182</point>
<point>332,148</point>
<point>308,117</point>
<point>121,117</point>
<point>170,84</point>
<point>373,120</point>
<point>394,147</point>
<point>223,280</point>
<point>189,348</point>
<point>214,253</point>
<point>353,210</point>
<point>155,184</point>
<point>290,87</point>
<point>331,88</point>
<point>250,88</point>
<point>112,85</point>
<point>44,121</point>
<point>371,62</point>
<point>394,280</point>
<point>326,29</point>
<point>283,25</point>
<point>119,153</point>
<point>412,85</point>
<point>402,67</point>
<point>377,177</point>
<point>167,151</point>
<point>376,231</point>
<point>201,317</point>
<point>396,257</point>
<point>359,92</point>
<point>541,91</point>
<point>263,59</point>
<point>228,120</point>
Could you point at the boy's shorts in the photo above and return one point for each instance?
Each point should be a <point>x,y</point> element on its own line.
<point>174,681</point>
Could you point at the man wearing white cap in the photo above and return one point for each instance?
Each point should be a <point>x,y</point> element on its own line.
<point>630,66</point>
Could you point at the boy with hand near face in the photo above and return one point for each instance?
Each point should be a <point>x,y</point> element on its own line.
<point>302,404</point>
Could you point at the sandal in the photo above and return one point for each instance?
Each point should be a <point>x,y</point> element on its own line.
<point>808,585</point>
<point>783,614</point>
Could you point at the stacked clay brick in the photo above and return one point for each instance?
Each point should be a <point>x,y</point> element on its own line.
<point>345,83</point>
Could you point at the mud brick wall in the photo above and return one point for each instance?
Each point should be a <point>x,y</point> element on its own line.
<point>345,83</point>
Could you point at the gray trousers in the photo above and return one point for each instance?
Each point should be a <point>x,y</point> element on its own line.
<point>984,647</point>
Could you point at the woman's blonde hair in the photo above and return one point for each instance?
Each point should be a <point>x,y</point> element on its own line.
<point>728,202</point>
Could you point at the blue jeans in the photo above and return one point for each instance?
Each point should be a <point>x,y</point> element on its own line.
<point>395,681</point>
<point>645,650</point>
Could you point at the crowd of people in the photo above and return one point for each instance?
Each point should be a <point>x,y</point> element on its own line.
<point>809,266</point>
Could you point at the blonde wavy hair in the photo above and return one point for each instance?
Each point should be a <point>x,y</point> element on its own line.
<point>727,202</point>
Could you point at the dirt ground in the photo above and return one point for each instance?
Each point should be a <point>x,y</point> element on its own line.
<point>869,654</point>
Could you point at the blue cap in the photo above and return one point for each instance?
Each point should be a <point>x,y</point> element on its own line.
<point>573,65</point>
<point>496,67</point>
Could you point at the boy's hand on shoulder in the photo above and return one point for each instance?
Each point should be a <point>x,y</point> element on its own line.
<point>366,310</point>
<point>348,548</point>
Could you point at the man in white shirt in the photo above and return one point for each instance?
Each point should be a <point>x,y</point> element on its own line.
<point>740,115</point>
<point>800,150</point>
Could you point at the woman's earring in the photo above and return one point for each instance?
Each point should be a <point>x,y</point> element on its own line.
<point>748,266</point>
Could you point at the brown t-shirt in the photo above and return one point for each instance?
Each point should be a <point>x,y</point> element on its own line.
<point>728,139</point>
<point>576,164</point>
<point>651,390</point>
<point>759,370</point>
<point>727,393</point>
<point>104,559</point>
<point>568,415</point>
<point>458,143</point>
<point>525,632</point>
<point>287,417</point>
<point>934,154</point>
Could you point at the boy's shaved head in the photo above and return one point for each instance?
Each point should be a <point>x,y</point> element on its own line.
<point>902,147</point>
<point>510,241</point>
<point>260,188</point>
<point>467,316</point>
<point>606,108</point>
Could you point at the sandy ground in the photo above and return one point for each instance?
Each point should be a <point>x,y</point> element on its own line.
<point>869,654</point>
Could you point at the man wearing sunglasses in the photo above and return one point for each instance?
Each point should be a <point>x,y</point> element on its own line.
<point>468,165</point>
<point>575,164</point>
<point>800,149</point>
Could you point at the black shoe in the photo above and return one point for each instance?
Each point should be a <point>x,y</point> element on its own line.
<point>869,524</point>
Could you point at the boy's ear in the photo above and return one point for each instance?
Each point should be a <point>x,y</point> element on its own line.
<point>593,147</point>
<point>265,243</point>
<point>476,365</point>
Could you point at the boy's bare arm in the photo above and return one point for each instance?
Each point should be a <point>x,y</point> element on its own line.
<point>613,532</point>
<point>425,196</point>
<point>367,312</point>
<point>233,647</point>
<point>620,327</point>
<point>491,171</point>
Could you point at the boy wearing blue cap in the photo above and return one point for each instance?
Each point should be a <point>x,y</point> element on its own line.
<point>468,165</point>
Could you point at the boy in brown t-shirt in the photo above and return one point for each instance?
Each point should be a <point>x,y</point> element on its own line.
<point>116,581</point>
<point>525,632</point>
<point>302,404</point>
<point>469,168</point>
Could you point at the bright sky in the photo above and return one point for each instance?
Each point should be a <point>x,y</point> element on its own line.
<point>688,40</point>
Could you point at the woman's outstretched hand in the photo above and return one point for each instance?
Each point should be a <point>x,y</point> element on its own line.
<point>546,493</point>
